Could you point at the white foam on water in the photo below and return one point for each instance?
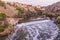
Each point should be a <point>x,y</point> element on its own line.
<point>36,30</point>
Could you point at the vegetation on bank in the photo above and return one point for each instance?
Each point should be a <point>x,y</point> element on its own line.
<point>20,12</point>
<point>3,23</point>
<point>55,18</point>
<point>2,16</point>
<point>3,4</point>
<point>57,21</point>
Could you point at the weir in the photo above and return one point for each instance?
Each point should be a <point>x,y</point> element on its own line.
<point>34,30</point>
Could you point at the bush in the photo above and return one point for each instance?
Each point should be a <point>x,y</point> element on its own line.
<point>2,27</point>
<point>57,20</point>
<point>49,15</point>
<point>19,10</point>
<point>5,25</point>
<point>2,16</point>
<point>3,4</point>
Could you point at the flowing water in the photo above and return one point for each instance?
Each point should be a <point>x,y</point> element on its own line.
<point>34,30</point>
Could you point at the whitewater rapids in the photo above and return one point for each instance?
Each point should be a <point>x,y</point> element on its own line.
<point>34,30</point>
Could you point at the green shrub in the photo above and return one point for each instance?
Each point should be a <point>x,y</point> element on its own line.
<point>3,26</point>
<point>49,15</point>
<point>2,4</point>
<point>2,16</point>
<point>20,12</point>
<point>57,20</point>
<point>19,9</point>
<point>26,17</point>
<point>1,29</point>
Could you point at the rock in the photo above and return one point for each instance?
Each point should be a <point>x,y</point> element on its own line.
<point>12,21</point>
<point>5,32</point>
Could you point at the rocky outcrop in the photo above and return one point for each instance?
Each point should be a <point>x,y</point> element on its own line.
<point>5,32</point>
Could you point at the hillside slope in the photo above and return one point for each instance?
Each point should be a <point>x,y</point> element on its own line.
<point>54,8</point>
<point>12,8</point>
